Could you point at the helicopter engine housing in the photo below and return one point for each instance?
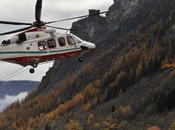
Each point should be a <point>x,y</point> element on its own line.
<point>16,39</point>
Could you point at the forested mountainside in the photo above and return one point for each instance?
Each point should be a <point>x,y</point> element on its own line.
<point>127,83</point>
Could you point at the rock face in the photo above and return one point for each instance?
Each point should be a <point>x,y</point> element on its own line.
<point>121,9</point>
<point>127,83</point>
<point>91,28</point>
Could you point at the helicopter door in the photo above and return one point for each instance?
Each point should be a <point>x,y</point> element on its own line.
<point>42,45</point>
<point>51,44</point>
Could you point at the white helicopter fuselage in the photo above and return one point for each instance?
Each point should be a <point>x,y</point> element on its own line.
<point>34,47</point>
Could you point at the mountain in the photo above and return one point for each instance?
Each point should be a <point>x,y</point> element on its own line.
<point>127,83</point>
<point>16,87</point>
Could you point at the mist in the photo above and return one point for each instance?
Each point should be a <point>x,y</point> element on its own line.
<point>9,99</point>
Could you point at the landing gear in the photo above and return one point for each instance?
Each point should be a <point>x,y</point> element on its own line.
<point>32,70</point>
<point>80,59</point>
<point>34,65</point>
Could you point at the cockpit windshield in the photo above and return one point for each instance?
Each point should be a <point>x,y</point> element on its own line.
<point>77,39</point>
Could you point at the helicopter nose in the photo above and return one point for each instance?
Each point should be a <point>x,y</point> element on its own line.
<point>88,46</point>
<point>92,46</point>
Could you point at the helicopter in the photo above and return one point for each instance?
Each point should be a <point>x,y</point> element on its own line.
<point>36,43</point>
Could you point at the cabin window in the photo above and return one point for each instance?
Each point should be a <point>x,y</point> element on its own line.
<point>42,45</point>
<point>70,40</point>
<point>62,41</point>
<point>51,43</point>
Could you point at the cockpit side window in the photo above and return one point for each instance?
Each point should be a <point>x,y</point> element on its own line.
<point>42,45</point>
<point>70,40</point>
<point>51,43</point>
<point>62,41</point>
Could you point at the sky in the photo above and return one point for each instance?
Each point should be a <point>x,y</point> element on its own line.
<point>24,11</point>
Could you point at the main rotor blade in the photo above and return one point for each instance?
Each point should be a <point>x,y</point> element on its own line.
<point>15,31</point>
<point>14,23</point>
<point>38,10</point>
<point>57,28</point>
<point>83,16</point>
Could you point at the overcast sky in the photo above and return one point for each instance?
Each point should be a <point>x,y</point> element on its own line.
<point>23,11</point>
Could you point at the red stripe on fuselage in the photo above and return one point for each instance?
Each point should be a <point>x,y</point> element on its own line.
<point>28,60</point>
<point>36,29</point>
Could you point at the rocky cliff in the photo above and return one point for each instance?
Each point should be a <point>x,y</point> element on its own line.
<point>127,83</point>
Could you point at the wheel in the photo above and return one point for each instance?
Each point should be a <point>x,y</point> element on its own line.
<point>32,70</point>
<point>35,65</point>
<point>80,59</point>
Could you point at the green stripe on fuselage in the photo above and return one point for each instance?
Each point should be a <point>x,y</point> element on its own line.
<point>38,52</point>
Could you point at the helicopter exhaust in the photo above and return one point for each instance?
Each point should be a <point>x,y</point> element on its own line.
<point>6,42</point>
<point>9,41</point>
<point>16,39</point>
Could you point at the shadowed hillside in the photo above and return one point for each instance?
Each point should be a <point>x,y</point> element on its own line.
<point>127,83</point>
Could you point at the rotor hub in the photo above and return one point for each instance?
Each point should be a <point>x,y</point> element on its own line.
<point>38,24</point>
